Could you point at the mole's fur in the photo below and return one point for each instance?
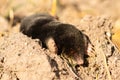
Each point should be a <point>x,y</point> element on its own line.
<point>68,39</point>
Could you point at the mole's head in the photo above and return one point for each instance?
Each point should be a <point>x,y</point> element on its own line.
<point>82,48</point>
<point>72,41</point>
<point>77,48</point>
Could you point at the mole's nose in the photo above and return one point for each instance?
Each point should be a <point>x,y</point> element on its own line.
<point>80,62</point>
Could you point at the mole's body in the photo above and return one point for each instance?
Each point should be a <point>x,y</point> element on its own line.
<point>68,39</point>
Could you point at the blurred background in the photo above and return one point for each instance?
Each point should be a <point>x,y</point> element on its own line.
<point>69,11</point>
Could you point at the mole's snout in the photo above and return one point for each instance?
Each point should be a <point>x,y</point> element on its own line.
<point>80,62</point>
<point>78,58</point>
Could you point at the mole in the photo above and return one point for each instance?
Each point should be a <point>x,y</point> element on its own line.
<point>68,40</point>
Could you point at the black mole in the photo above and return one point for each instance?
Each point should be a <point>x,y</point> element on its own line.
<point>68,39</point>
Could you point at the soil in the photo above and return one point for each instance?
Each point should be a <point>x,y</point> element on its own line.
<point>23,58</point>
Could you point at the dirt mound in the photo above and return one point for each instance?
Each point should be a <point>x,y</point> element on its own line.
<point>22,58</point>
<point>103,64</point>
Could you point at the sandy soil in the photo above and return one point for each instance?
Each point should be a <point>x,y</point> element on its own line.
<point>22,58</point>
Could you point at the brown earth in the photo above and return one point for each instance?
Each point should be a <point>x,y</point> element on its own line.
<point>22,58</point>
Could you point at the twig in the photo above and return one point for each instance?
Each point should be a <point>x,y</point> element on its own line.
<point>105,64</point>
